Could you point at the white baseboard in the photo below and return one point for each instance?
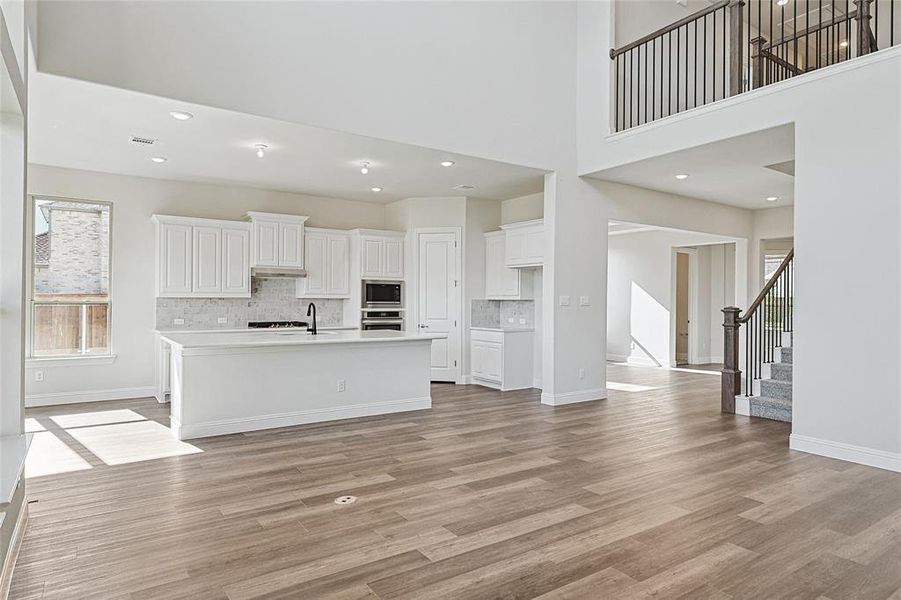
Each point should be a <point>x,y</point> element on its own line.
<point>617,357</point>
<point>12,553</point>
<point>466,380</point>
<point>706,360</point>
<point>227,426</point>
<point>55,398</point>
<point>573,397</point>
<point>642,361</point>
<point>743,405</point>
<point>881,459</point>
<point>536,383</point>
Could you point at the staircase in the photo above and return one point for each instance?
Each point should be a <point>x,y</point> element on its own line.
<point>773,399</point>
<point>760,340</point>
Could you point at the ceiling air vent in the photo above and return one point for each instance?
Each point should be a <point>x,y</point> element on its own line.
<point>463,187</point>
<point>135,139</point>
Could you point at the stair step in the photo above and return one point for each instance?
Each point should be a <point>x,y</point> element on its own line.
<point>785,355</point>
<point>781,371</point>
<point>776,409</point>
<point>774,388</point>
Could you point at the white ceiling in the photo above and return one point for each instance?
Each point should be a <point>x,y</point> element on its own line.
<point>83,125</point>
<point>732,171</point>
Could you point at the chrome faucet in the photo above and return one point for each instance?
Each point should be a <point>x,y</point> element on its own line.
<point>312,308</point>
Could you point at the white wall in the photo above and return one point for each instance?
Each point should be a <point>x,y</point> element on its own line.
<point>134,200</point>
<point>851,195</point>
<point>524,208</point>
<point>641,299</point>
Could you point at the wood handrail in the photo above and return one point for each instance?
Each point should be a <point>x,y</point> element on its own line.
<point>813,29</point>
<point>769,285</point>
<point>614,52</point>
<point>781,62</point>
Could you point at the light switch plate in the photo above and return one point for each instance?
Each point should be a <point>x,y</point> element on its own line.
<point>564,300</point>
<point>584,301</point>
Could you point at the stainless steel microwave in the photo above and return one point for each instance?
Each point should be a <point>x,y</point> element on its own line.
<point>383,293</point>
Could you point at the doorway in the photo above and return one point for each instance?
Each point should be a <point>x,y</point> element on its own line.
<point>683,304</point>
<point>439,297</point>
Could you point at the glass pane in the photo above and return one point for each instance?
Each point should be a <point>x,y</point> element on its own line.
<point>57,330</point>
<point>97,328</point>
<point>71,251</point>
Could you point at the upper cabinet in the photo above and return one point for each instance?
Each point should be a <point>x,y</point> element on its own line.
<point>202,258</point>
<point>381,254</point>
<point>524,243</point>
<point>327,259</point>
<point>501,281</point>
<point>277,240</point>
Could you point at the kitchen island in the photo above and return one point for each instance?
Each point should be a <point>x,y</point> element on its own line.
<point>237,381</point>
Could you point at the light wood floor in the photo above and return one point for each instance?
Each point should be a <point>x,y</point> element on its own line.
<point>651,493</point>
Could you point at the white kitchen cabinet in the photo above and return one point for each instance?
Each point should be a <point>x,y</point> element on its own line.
<point>277,240</point>
<point>202,258</point>
<point>174,259</point>
<point>503,282</point>
<point>524,243</point>
<point>327,259</point>
<point>501,359</point>
<point>382,255</point>
<point>207,268</point>
<point>235,261</point>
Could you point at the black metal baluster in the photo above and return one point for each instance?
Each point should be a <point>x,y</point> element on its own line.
<point>705,61</point>
<point>678,63</point>
<point>653,78</point>
<point>725,57</point>
<point>819,22</point>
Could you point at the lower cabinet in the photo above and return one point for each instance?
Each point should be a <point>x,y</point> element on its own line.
<point>501,359</point>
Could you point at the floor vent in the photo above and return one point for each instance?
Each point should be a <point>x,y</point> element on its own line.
<point>135,139</point>
<point>345,499</point>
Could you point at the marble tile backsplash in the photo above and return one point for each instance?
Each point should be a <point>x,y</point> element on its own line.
<point>270,300</point>
<point>497,313</point>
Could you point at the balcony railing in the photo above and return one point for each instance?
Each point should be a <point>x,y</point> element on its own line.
<point>733,46</point>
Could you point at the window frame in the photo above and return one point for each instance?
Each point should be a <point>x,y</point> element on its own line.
<point>64,359</point>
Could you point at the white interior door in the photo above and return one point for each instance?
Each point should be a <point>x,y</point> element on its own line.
<point>439,305</point>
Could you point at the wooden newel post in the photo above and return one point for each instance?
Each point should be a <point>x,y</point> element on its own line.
<point>731,381</point>
<point>757,63</point>
<point>736,46</point>
<point>864,33</point>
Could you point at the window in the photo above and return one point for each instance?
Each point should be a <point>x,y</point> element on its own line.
<point>70,299</point>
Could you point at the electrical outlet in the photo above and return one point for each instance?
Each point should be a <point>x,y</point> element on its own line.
<point>222,320</point>
<point>178,321</point>
<point>39,376</point>
<point>342,385</point>
<point>509,319</point>
<point>584,301</point>
<point>522,321</point>
<point>564,300</point>
<point>581,373</point>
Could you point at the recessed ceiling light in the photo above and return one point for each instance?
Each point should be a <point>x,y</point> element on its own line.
<point>159,159</point>
<point>447,163</point>
<point>181,115</point>
<point>464,187</point>
<point>772,198</point>
<point>376,189</point>
<point>681,176</point>
<point>365,168</point>
<point>261,149</point>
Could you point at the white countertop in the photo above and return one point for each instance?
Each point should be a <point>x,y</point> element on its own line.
<point>504,329</point>
<point>288,337</point>
<point>262,330</point>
